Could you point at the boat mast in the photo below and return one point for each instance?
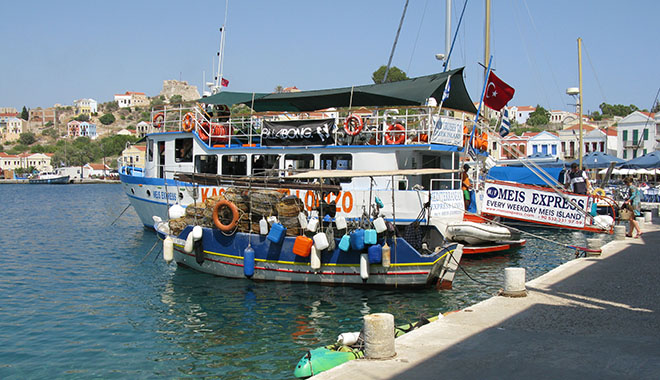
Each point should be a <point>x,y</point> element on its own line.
<point>447,33</point>
<point>221,54</point>
<point>579,40</point>
<point>487,39</point>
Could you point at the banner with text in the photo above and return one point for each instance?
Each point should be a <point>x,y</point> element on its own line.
<point>297,132</point>
<point>447,131</point>
<point>534,204</point>
<point>447,205</point>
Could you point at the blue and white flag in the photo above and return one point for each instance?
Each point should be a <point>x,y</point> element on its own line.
<point>445,94</point>
<point>505,126</point>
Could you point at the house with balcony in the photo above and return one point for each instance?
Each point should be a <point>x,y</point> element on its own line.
<point>143,128</point>
<point>11,129</point>
<point>131,99</point>
<point>512,147</point>
<point>637,134</point>
<point>39,161</point>
<point>133,155</point>
<point>85,106</point>
<point>77,128</point>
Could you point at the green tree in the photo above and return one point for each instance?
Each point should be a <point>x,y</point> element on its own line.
<point>176,99</point>
<point>37,148</point>
<point>2,148</point>
<point>540,116</point>
<point>395,74</point>
<point>25,114</point>
<point>609,110</point>
<point>82,117</point>
<point>279,89</point>
<point>157,101</point>
<point>107,119</point>
<point>17,149</point>
<point>110,106</point>
<point>656,107</point>
<point>596,116</point>
<point>27,138</point>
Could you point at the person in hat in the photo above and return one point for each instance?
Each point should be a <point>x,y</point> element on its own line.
<point>466,185</point>
<point>633,203</point>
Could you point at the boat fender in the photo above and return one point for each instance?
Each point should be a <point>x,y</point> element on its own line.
<point>248,262</point>
<point>321,241</point>
<point>313,224</point>
<point>302,246</point>
<point>302,219</point>
<point>176,211</point>
<point>375,253</point>
<point>199,252</point>
<point>276,233</point>
<point>159,120</point>
<point>348,339</point>
<point>234,218</point>
<point>600,192</point>
<point>353,125</point>
<point>392,130</point>
<point>197,233</point>
<point>379,225</point>
<point>364,267</point>
<point>345,243</point>
<point>357,239</point>
<point>315,259</point>
<point>370,236</point>
<point>188,247</point>
<point>168,249</point>
<point>263,226</point>
<point>379,202</point>
<point>188,122</point>
<point>386,255</point>
<point>340,222</point>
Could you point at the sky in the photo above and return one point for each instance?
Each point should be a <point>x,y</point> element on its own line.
<point>56,52</point>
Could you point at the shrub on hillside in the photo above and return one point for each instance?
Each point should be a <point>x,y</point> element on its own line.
<point>107,119</point>
<point>27,138</point>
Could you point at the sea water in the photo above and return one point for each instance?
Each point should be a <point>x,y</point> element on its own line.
<point>85,298</point>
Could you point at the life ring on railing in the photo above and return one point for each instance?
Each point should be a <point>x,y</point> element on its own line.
<point>598,191</point>
<point>391,131</point>
<point>466,135</point>
<point>484,141</point>
<point>159,120</point>
<point>188,123</point>
<point>219,133</point>
<point>203,131</point>
<point>353,125</point>
<point>234,215</point>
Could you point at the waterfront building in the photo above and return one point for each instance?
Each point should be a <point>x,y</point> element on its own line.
<point>96,170</point>
<point>11,129</point>
<point>143,128</point>
<point>134,155</point>
<point>40,161</point>
<point>85,106</point>
<point>511,145</point>
<point>637,135</point>
<point>131,99</point>
<point>544,143</point>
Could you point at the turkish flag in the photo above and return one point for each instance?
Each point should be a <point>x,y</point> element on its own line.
<point>498,93</point>
<point>224,82</point>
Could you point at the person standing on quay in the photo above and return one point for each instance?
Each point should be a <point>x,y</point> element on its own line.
<point>633,203</point>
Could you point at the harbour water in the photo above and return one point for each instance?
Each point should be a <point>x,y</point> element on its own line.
<point>82,298</point>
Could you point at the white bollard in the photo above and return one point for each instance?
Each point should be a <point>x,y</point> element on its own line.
<point>379,336</point>
<point>514,282</point>
<point>648,217</point>
<point>620,232</point>
<point>594,243</point>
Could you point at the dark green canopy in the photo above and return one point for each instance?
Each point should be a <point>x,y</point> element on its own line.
<point>411,92</point>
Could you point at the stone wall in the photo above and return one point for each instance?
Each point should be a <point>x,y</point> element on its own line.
<point>175,87</point>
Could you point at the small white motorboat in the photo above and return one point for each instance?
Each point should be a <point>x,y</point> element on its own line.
<point>476,233</point>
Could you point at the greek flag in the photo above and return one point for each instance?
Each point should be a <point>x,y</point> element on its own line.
<point>505,126</point>
<point>445,94</point>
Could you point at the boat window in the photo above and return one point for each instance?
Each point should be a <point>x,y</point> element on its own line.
<point>184,150</point>
<point>206,163</point>
<point>337,162</point>
<point>161,159</point>
<point>299,161</point>
<point>234,164</point>
<point>262,163</point>
<point>150,150</point>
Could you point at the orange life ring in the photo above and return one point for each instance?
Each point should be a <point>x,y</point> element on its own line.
<point>234,216</point>
<point>188,122</point>
<point>484,140</point>
<point>466,135</point>
<point>203,131</point>
<point>159,120</point>
<point>391,131</point>
<point>353,125</point>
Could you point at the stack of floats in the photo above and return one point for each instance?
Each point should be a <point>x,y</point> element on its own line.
<point>266,234</point>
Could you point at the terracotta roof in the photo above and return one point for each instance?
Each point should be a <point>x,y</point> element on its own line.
<point>526,108</point>
<point>140,147</point>
<point>610,131</point>
<point>98,166</point>
<point>585,127</point>
<point>649,114</point>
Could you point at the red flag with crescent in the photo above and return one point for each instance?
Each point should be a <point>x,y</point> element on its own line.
<point>498,93</point>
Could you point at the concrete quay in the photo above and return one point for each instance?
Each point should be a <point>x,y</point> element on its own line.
<point>590,318</point>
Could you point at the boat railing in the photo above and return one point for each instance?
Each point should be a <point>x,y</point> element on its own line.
<point>402,126</point>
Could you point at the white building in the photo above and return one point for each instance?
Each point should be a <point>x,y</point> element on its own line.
<point>520,114</point>
<point>637,135</point>
<point>544,143</point>
<point>131,99</point>
<point>85,106</point>
<point>143,128</point>
<point>11,130</point>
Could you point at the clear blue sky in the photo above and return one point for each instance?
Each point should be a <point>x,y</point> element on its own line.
<point>55,52</point>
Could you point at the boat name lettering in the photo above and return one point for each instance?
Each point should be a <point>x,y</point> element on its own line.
<point>506,194</point>
<point>164,195</point>
<point>553,200</point>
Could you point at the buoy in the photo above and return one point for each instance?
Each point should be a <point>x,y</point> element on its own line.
<point>276,233</point>
<point>375,253</point>
<point>188,247</point>
<point>302,220</point>
<point>345,243</point>
<point>348,339</point>
<point>263,226</point>
<point>340,221</point>
<point>197,233</point>
<point>248,262</point>
<point>379,225</point>
<point>321,241</point>
<point>168,249</point>
<point>379,336</point>
<point>514,282</point>
<point>303,246</point>
<point>386,255</point>
<point>176,211</point>
<point>357,239</point>
<point>312,225</point>
<point>315,259</point>
<point>370,236</point>
<point>364,266</point>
